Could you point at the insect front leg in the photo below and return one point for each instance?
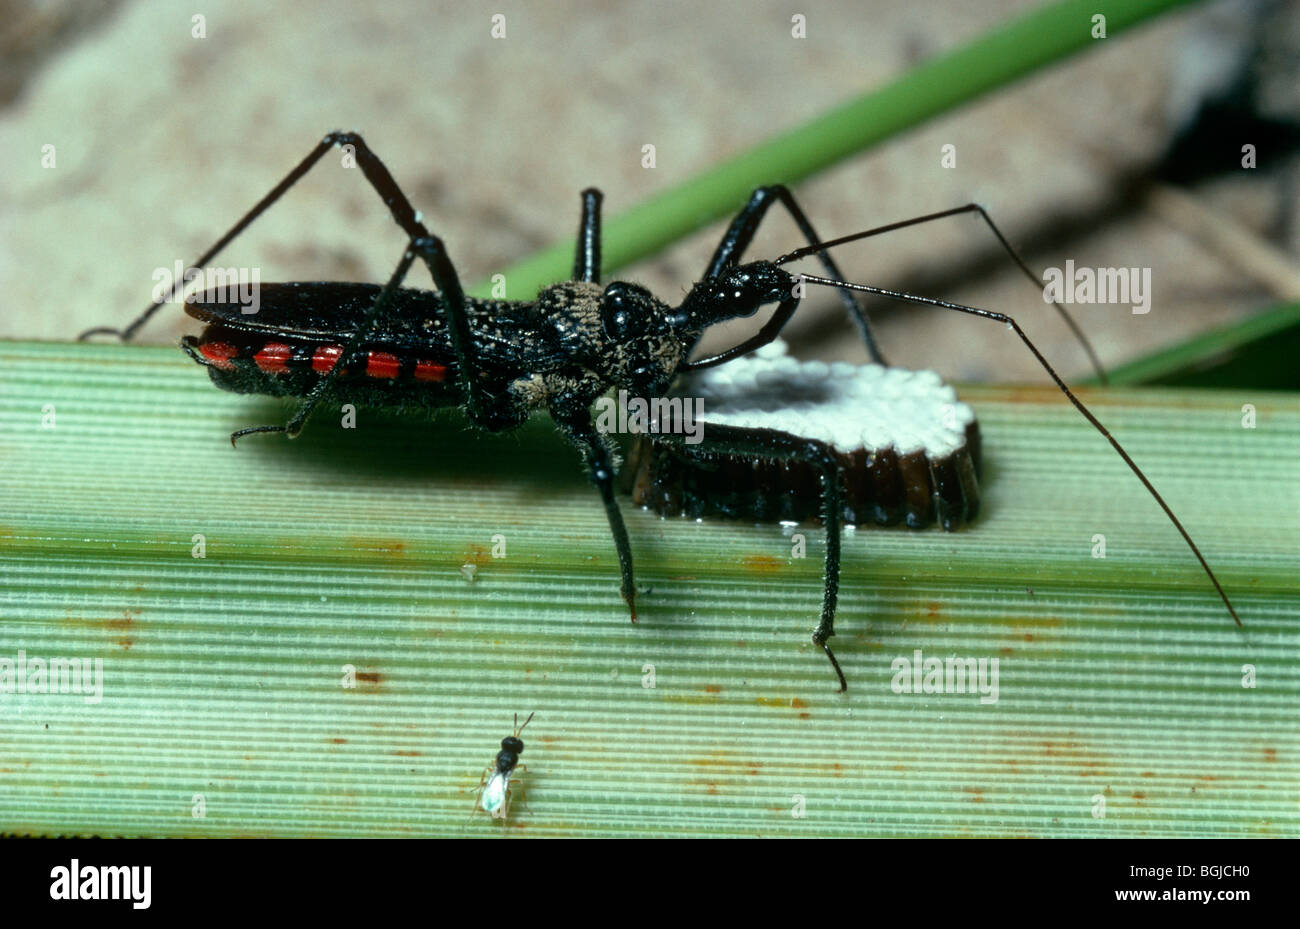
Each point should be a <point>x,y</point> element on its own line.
<point>741,233</point>
<point>586,263</point>
<point>818,248</point>
<point>767,334</point>
<point>576,423</point>
<point>774,444</point>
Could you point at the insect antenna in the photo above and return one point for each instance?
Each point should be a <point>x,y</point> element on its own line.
<point>1006,246</point>
<point>519,728</point>
<point>1015,327</point>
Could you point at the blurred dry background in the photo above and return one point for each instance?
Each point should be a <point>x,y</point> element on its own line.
<point>1127,155</point>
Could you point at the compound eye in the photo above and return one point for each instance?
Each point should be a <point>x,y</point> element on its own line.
<point>623,312</point>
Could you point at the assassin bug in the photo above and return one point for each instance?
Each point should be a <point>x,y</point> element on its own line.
<point>501,360</point>
<point>494,786</point>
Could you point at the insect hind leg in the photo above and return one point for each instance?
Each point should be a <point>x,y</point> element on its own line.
<point>478,795</point>
<point>482,407</point>
<point>422,243</point>
<point>276,192</point>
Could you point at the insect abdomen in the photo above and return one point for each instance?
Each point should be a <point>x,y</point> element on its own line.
<point>245,362</point>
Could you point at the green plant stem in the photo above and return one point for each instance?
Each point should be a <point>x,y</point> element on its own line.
<point>1257,352</point>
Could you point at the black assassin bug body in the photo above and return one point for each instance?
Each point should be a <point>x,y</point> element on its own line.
<point>300,331</point>
<point>499,361</point>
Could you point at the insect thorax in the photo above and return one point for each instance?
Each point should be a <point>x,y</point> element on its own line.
<point>593,360</point>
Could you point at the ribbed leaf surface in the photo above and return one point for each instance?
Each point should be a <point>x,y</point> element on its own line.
<point>223,676</point>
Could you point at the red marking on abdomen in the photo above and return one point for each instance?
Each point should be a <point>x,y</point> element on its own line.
<point>219,353</point>
<point>428,371</point>
<point>383,364</point>
<point>273,358</point>
<point>325,358</point>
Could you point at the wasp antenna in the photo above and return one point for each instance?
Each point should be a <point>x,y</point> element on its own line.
<point>1015,327</point>
<point>519,728</point>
